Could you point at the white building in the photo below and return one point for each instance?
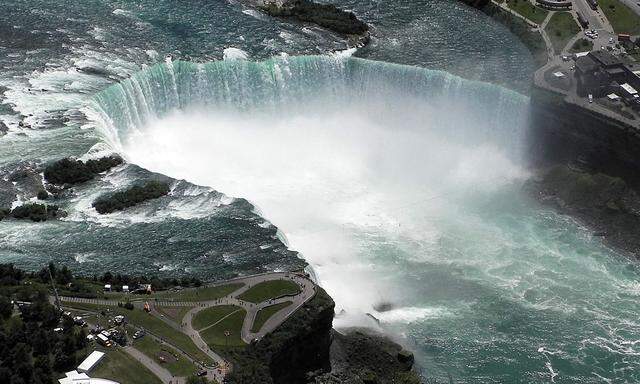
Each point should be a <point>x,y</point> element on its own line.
<point>90,362</point>
<point>74,377</point>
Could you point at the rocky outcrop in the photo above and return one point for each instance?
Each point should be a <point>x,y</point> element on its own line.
<point>605,204</point>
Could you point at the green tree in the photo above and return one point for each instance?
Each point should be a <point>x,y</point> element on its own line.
<point>6,308</point>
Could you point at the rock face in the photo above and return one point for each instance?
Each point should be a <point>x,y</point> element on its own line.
<point>606,204</point>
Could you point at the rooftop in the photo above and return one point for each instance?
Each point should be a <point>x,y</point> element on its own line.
<point>604,58</point>
<point>75,377</point>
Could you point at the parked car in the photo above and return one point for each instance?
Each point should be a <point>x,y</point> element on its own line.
<point>138,335</point>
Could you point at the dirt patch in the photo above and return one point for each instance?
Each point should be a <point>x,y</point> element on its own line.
<point>166,357</point>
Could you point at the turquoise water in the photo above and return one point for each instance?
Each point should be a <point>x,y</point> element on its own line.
<point>396,183</point>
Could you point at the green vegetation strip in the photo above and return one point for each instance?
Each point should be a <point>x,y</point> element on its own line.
<point>270,290</point>
<point>118,366</point>
<point>210,316</point>
<point>153,325</point>
<point>201,294</point>
<point>621,17</point>
<point>174,362</point>
<point>528,10</point>
<point>215,334</point>
<point>265,314</point>
<point>561,28</point>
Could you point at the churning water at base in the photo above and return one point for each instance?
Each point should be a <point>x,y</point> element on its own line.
<point>398,185</point>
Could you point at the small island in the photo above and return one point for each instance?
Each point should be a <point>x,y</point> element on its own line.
<point>131,196</point>
<point>324,15</point>
<point>71,171</point>
<point>32,211</point>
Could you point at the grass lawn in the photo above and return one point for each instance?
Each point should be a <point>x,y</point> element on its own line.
<point>621,17</point>
<point>209,316</point>
<point>528,10</point>
<point>270,290</point>
<point>214,335</point>
<point>118,366</point>
<point>152,324</point>
<point>265,313</point>
<point>561,28</point>
<point>582,45</point>
<point>174,313</point>
<point>179,367</point>
<point>200,294</point>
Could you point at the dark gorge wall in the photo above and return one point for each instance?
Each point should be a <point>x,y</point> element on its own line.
<point>296,350</point>
<point>562,133</point>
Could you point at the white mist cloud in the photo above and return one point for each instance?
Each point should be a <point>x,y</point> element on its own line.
<point>340,180</point>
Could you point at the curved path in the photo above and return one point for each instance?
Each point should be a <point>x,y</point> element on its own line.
<point>307,291</point>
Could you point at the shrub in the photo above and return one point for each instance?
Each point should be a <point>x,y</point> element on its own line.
<point>42,195</point>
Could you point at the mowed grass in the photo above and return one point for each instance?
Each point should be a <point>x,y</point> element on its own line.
<point>265,314</point>
<point>214,335</point>
<point>270,290</point>
<point>582,45</point>
<point>200,294</point>
<point>621,17</point>
<point>209,316</point>
<point>528,10</point>
<point>561,28</point>
<point>119,366</point>
<point>152,348</point>
<point>153,325</point>
<point>174,313</point>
